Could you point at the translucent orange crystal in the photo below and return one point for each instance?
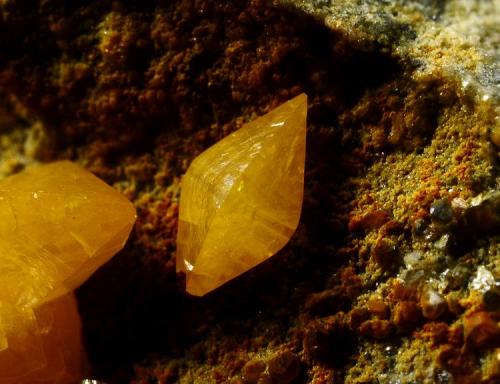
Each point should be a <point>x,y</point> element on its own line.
<point>241,199</point>
<point>42,345</point>
<point>59,223</point>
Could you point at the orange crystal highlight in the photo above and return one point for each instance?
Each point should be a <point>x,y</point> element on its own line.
<point>59,223</point>
<point>42,345</point>
<point>241,198</point>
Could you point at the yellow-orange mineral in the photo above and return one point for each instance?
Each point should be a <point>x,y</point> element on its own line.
<point>41,345</point>
<point>58,224</point>
<point>241,199</point>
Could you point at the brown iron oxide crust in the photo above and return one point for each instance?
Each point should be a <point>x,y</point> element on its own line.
<point>376,280</point>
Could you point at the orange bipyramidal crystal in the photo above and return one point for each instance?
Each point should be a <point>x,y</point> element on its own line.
<point>241,199</point>
<point>59,223</point>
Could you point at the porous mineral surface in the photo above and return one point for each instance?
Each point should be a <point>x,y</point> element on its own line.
<point>392,275</point>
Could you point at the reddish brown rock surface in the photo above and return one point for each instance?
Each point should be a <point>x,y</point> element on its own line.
<point>401,118</point>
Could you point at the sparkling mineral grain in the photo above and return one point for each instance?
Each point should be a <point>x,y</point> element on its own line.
<point>241,199</point>
<point>59,224</point>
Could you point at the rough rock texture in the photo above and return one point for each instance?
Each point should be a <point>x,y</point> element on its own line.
<point>395,258</point>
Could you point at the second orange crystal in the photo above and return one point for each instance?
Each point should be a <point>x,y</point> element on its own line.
<point>241,199</point>
<point>59,223</point>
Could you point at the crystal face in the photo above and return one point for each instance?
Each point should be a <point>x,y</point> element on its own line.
<point>41,345</point>
<point>241,198</point>
<point>59,223</point>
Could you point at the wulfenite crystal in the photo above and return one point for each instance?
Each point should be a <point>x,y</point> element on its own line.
<point>41,345</point>
<point>59,223</point>
<point>241,199</point>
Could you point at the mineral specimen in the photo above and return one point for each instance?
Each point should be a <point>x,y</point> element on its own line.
<point>41,345</point>
<point>59,224</point>
<point>402,112</point>
<point>241,199</point>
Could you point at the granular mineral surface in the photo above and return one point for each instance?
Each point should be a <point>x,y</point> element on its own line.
<point>395,257</point>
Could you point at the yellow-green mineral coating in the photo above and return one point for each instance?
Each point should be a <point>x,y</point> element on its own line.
<point>241,199</point>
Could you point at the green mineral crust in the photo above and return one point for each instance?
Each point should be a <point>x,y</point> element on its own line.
<point>393,274</point>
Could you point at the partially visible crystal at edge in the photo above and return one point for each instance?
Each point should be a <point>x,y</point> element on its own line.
<point>241,199</point>
<point>58,224</point>
<point>41,345</point>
